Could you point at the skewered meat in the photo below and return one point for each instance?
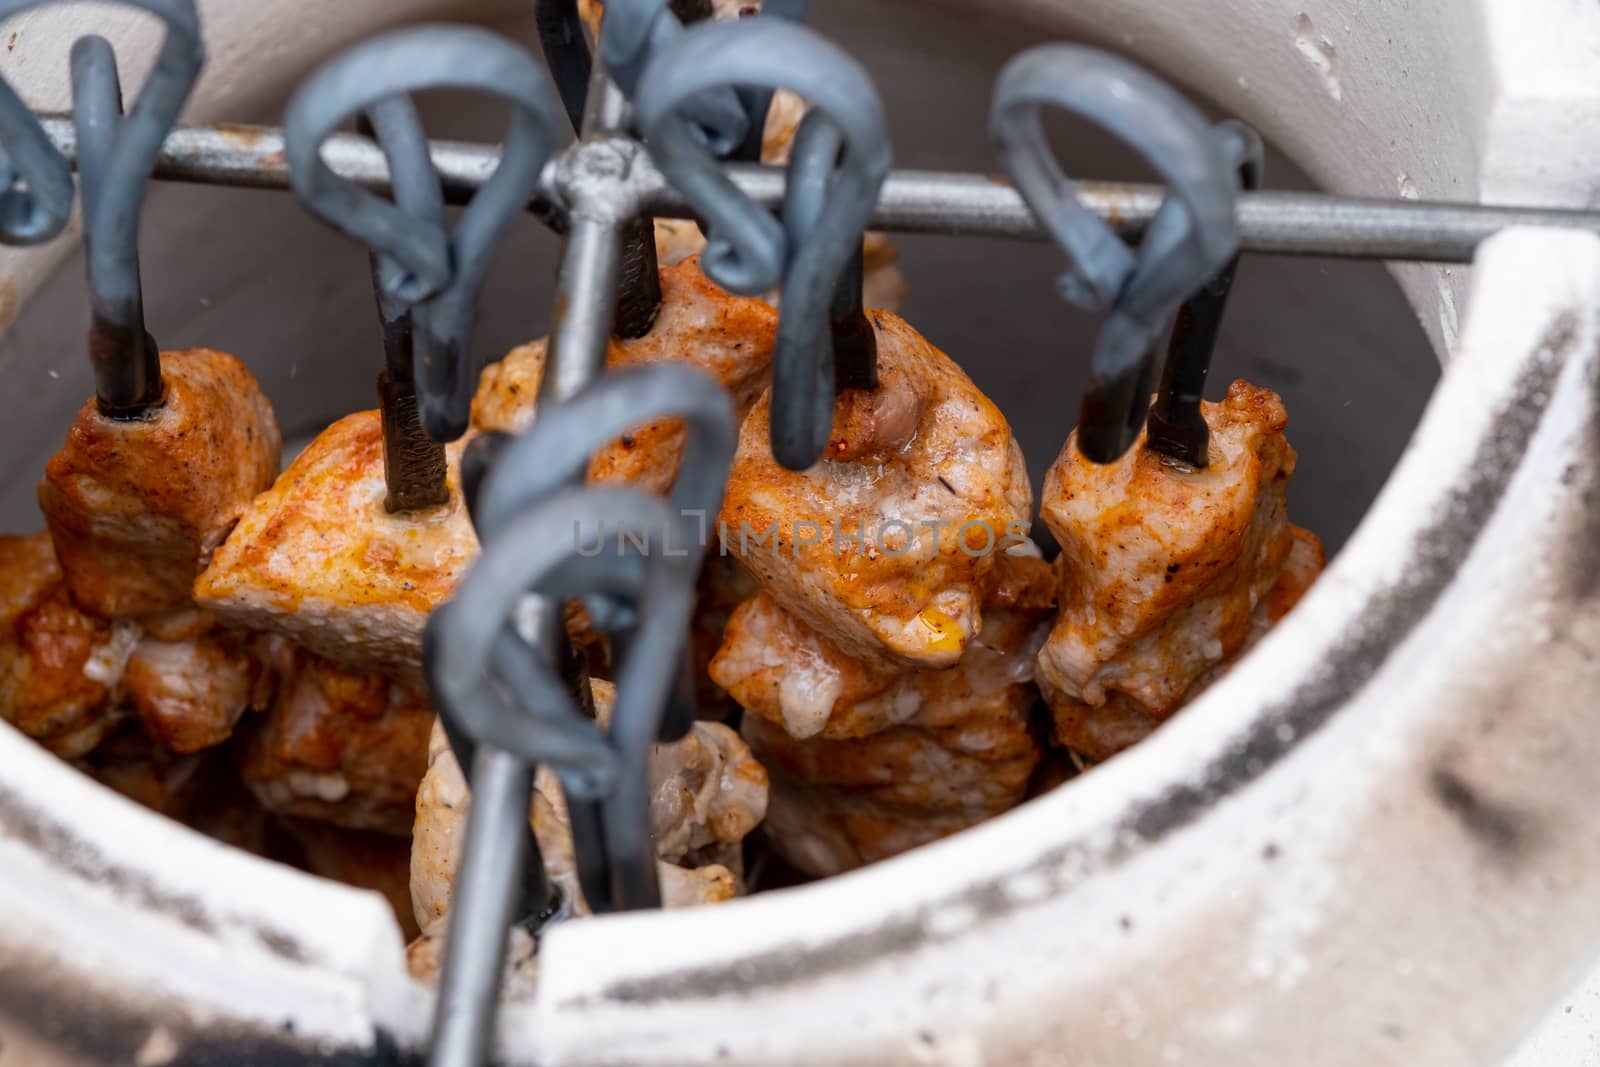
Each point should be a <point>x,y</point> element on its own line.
<point>723,585</point>
<point>729,337</point>
<point>708,794</point>
<point>883,546</point>
<point>190,694</point>
<point>1166,571</point>
<point>1099,732</point>
<point>868,761</point>
<point>345,748</point>
<point>58,666</point>
<point>137,506</point>
<point>318,558</point>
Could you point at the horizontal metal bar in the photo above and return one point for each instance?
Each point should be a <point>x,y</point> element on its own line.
<point>1281,223</point>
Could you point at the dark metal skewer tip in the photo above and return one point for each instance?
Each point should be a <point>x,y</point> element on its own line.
<point>414,466</point>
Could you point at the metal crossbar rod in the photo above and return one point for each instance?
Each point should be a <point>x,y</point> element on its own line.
<point>1278,223</point>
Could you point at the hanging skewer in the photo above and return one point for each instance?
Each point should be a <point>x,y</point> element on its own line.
<point>1190,238</point>
<point>413,465</point>
<point>747,251</point>
<point>438,272</point>
<point>115,157</point>
<point>1177,429</point>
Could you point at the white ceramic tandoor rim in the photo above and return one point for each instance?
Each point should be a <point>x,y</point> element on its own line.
<point>1368,844</point>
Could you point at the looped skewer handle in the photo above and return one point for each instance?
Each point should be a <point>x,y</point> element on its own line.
<point>36,200</point>
<point>414,467</point>
<point>116,154</point>
<point>748,251</point>
<point>1193,234</point>
<point>633,33</point>
<point>533,527</point>
<point>1177,425</point>
<point>441,272</point>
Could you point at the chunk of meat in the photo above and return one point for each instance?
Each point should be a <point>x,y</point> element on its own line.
<point>318,558</point>
<point>708,792</point>
<point>779,668</point>
<point>728,337</point>
<point>884,759</point>
<point>58,666</point>
<point>137,506</point>
<point>1098,732</point>
<point>838,805</point>
<point>344,748</point>
<point>190,694</point>
<point>1166,572</point>
<point>884,548</point>
<point>723,585</point>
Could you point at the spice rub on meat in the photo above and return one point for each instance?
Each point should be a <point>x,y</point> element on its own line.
<point>868,760</point>
<point>137,506</point>
<point>318,557</point>
<point>883,546</point>
<point>344,748</point>
<point>1167,572</point>
<point>729,337</point>
<point>59,667</point>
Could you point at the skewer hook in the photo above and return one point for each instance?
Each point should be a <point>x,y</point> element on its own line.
<point>441,271</point>
<point>1193,234</point>
<point>748,251</point>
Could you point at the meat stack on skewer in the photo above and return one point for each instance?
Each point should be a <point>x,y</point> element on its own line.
<point>707,794</point>
<point>868,663</point>
<point>1168,574</point>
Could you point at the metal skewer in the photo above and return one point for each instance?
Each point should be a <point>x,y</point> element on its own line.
<point>1176,423</point>
<point>912,201</point>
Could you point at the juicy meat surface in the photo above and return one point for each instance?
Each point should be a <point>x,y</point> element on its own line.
<point>344,748</point>
<point>58,666</point>
<point>883,546</point>
<point>190,694</point>
<point>866,763</point>
<point>728,337</point>
<point>136,507</point>
<point>1098,732</point>
<point>708,792</point>
<point>319,559</point>
<point>1163,568</point>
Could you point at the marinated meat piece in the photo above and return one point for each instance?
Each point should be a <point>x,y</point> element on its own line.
<point>190,693</point>
<point>728,337</point>
<point>781,669</point>
<point>344,748</point>
<point>319,559</point>
<point>866,762</point>
<point>723,585</point>
<point>1164,569</point>
<point>884,547</point>
<point>708,794</point>
<point>58,666</point>
<point>28,571</point>
<point>1097,733</point>
<point>137,506</point>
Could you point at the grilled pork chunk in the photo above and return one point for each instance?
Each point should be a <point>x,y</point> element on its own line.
<point>884,545</point>
<point>137,506</point>
<point>1167,572</point>
<point>869,760</point>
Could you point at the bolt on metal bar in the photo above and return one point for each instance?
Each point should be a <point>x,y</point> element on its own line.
<point>1276,223</point>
